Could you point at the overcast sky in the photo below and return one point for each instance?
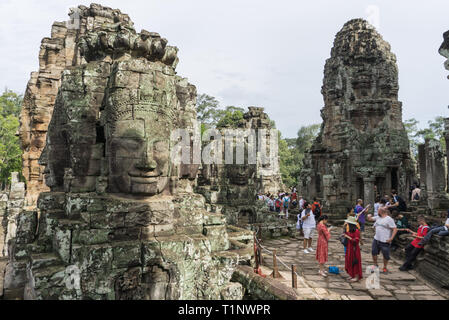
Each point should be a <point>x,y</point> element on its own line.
<point>255,52</point>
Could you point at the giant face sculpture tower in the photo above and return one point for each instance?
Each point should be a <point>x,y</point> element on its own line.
<point>121,220</point>
<point>363,147</point>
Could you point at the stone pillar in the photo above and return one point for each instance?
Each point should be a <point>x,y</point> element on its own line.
<point>3,207</point>
<point>435,173</point>
<point>446,138</point>
<point>368,188</point>
<point>422,170</point>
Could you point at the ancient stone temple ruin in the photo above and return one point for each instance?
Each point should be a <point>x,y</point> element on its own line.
<point>362,148</point>
<point>56,53</point>
<point>433,263</point>
<point>232,189</point>
<point>121,220</point>
<point>431,163</point>
<point>268,175</point>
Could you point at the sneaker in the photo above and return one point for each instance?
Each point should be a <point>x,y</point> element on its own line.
<point>311,250</point>
<point>305,251</point>
<point>402,268</point>
<point>323,274</point>
<point>385,271</point>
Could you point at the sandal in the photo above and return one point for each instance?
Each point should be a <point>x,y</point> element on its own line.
<point>385,271</point>
<point>322,274</point>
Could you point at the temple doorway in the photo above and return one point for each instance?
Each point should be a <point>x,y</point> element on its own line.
<point>394,179</point>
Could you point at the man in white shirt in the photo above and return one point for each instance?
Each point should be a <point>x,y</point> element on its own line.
<point>385,232</point>
<point>301,203</point>
<point>308,226</point>
<point>441,231</point>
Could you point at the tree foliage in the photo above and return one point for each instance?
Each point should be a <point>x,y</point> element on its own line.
<point>231,117</point>
<point>211,114</point>
<point>435,130</point>
<point>208,109</point>
<point>292,152</point>
<point>10,152</point>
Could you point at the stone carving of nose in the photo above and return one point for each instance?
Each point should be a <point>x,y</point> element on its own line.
<point>147,163</point>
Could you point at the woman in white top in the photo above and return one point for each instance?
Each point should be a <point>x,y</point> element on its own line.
<point>308,226</point>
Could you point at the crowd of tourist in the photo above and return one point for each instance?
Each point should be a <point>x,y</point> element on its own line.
<point>280,202</point>
<point>388,220</point>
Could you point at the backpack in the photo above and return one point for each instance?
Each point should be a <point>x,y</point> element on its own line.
<point>286,200</point>
<point>317,210</point>
<point>416,197</point>
<point>278,203</point>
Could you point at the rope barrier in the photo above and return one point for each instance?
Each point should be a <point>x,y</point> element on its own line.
<point>304,282</point>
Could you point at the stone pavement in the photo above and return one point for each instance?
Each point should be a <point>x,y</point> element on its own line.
<point>396,285</point>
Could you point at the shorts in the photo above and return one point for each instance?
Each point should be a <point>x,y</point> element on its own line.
<point>381,246</point>
<point>308,233</point>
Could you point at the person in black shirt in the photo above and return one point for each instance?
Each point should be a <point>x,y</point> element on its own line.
<point>398,203</point>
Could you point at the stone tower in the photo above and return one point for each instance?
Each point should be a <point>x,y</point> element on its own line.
<point>121,220</point>
<point>231,189</point>
<point>444,51</point>
<point>57,52</point>
<point>362,148</point>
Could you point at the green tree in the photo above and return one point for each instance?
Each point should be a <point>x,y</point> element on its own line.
<point>411,126</point>
<point>287,162</point>
<point>210,114</point>
<point>306,136</point>
<point>10,103</point>
<point>10,152</point>
<point>292,152</point>
<point>230,117</point>
<point>208,110</point>
<point>434,131</point>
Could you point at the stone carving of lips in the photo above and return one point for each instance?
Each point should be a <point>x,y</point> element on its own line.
<point>144,178</point>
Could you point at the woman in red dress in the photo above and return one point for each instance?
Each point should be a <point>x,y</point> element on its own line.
<point>322,244</point>
<point>353,259</point>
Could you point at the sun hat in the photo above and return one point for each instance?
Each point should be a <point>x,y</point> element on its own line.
<point>351,220</point>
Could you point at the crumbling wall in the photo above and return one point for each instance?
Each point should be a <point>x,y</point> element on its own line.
<point>11,206</point>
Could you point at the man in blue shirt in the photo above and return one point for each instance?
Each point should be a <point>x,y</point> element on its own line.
<point>360,214</point>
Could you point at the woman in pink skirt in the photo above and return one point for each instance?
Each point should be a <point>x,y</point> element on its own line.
<point>322,244</point>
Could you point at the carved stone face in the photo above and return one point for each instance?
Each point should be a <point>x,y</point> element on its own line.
<point>239,174</point>
<point>139,159</point>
